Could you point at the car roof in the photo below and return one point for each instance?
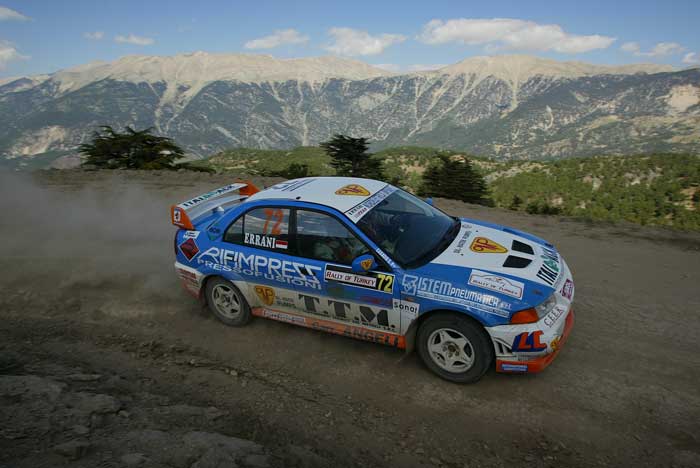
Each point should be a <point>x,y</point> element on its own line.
<point>341,193</point>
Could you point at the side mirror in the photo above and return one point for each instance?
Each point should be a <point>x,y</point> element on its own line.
<point>363,263</point>
<point>429,201</point>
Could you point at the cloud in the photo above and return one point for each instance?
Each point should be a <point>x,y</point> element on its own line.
<point>134,39</point>
<point>348,41</point>
<point>94,36</point>
<point>631,47</point>
<point>691,58</point>
<point>659,50</point>
<point>8,53</point>
<point>11,15</point>
<point>510,34</point>
<point>278,38</point>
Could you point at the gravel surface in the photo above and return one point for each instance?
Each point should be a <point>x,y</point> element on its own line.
<point>105,360</point>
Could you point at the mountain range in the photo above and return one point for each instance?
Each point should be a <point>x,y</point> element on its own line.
<point>506,107</point>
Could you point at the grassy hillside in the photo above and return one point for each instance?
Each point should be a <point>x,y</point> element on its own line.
<point>661,189</point>
<point>265,162</point>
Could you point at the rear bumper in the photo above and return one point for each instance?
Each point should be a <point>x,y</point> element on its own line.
<point>190,279</point>
<point>540,363</point>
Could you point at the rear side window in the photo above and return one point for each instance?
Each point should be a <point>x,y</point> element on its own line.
<point>323,237</point>
<point>265,228</point>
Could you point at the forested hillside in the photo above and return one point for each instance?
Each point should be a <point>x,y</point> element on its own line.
<point>660,189</point>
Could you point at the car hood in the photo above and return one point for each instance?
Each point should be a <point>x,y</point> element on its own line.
<point>485,247</point>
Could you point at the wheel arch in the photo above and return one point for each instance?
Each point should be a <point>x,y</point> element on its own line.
<point>415,325</point>
<point>211,276</point>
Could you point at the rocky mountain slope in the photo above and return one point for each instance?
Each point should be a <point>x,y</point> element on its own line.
<point>504,106</point>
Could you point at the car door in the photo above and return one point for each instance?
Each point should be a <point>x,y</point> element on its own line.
<point>258,251</point>
<point>362,301</point>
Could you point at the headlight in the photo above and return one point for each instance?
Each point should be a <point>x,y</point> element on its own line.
<point>534,314</point>
<point>547,306</point>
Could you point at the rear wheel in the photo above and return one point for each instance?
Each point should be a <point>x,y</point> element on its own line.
<point>455,348</point>
<point>227,303</point>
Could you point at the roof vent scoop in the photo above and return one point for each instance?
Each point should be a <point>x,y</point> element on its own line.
<point>522,247</point>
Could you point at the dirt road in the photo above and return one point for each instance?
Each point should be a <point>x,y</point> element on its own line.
<point>90,310</point>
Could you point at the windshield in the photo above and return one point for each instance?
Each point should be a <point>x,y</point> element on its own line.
<point>408,229</point>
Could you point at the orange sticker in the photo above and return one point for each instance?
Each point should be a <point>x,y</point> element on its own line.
<point>353,189</point>
<point>366,264</point>
<point>484,245</point>
<point>267,295</point>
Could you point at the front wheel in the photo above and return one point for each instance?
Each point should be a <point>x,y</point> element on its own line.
<point>227,303</point>
<point>455,348</point>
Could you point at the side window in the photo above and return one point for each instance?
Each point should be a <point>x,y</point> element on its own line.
<point>266,228</point>
<point>234,233</point>
<point>323,237</point>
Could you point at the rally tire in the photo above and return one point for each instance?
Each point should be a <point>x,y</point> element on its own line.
<point>454,347</point>
<point>227,303</point>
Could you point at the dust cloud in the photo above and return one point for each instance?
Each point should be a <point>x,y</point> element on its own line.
<point>108,240</point>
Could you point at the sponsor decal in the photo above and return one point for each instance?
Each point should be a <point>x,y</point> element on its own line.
<point>386,258</point>
<point>514,367</point>
<point>207,196</point>
<point>568,289</point>
<point>445,291</point>
<point>359,314</point>
<point>353,189</point>
<point>379,281</point>
<point>497,283</point>
<point>359,333</point>
<point>177,215</point>
<point>259,266</point>
<point>267,242</point>
<point>358,211</point>
<point>283,317</point>
<point>189,249</point>
<point>555,344</point>
<point>529,342</point>
<point>551,318</point>
<point>459,246</point>
<point>291,186</point>
<point>409,285</point>
<point>379,315</point>
<point>549,271</point>
<point>190,235</point>
<point>366,264</point>
<point>485,245</point>
<point>189,281</point>
<point>407,309</point>
<point>266,294</point>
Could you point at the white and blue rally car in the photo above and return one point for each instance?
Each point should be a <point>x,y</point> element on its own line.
<point>365,259</point>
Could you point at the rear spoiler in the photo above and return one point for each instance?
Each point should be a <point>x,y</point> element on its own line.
<point>184,213</point>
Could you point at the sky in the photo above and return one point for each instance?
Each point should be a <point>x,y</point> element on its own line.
<point>39,37</point>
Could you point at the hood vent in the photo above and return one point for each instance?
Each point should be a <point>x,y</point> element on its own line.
<point>522,247</point>
<point>516,262</point>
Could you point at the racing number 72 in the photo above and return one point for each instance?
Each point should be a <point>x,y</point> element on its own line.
<point>269,215</point>
<point>385,282</point>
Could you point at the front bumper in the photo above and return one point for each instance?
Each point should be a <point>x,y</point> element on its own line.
<point>538,364</point>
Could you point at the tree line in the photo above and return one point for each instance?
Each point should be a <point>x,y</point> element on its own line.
<point>446,177</point>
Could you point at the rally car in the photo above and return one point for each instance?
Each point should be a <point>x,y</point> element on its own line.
<point>364,259</point>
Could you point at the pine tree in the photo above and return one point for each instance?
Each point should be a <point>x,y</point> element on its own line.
<point>132,149</point>
<point>349,157</point>
<point>452,178</point>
